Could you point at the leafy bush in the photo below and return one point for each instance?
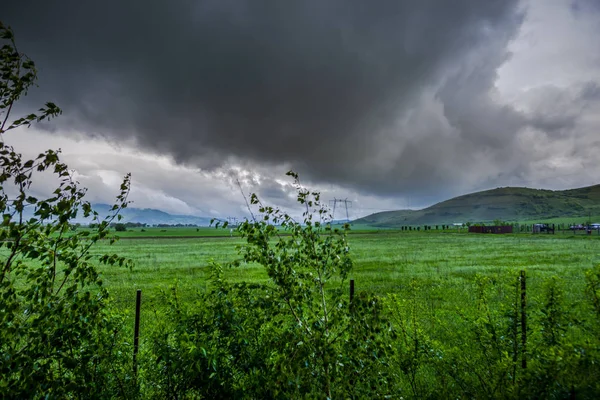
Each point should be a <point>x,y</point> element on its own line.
<point>57,338</point>
<point>296,336</point>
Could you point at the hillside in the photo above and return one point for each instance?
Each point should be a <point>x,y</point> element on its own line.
<point>506,204</point>
<point>152,217</point>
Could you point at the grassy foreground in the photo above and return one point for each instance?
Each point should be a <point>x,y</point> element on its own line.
<point>446,321</point>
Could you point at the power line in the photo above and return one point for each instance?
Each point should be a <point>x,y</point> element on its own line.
<point>232,221</point>
<point>347,204</point>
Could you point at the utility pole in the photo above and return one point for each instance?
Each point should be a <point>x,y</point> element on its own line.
<point>347,204</point>
<point>232,221</point>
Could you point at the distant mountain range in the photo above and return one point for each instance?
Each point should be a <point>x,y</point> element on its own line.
<point>151,216</point>
<point>505,204</point>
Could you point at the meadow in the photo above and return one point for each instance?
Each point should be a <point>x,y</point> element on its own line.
<point>451,299</point>
<point>443,264</point>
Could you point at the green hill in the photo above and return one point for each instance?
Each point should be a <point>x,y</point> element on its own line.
<point>506,204</point>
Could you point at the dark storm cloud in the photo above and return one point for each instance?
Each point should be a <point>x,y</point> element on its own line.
<point>318,85</point>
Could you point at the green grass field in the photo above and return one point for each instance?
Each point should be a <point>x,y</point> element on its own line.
<point>443,265</point>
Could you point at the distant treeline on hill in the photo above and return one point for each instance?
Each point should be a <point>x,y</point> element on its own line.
<point>516,227</point>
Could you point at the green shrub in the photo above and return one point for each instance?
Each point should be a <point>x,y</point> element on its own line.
<point>120,227</point>
<point>296,336</point>
<point>57,340</point>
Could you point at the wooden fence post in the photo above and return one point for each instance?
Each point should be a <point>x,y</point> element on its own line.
<point>523,319</point>
<point>516,330</point>
<point>136,334</point>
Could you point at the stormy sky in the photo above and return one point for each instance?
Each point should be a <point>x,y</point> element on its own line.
<point>389,103</point>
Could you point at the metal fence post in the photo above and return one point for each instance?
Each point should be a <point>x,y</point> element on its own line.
<point>351,292</point>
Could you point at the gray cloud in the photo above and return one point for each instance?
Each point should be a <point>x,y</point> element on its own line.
<point>582,6</point>
<point>558,111</point>
<point>327,88</point>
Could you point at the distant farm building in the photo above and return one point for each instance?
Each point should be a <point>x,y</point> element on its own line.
<point>491,229</point>
<point>539,228</point>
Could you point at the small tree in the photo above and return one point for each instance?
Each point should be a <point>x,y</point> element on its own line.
<point>57,340</point>
<point>295,336</point>
<point>337,354</point>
